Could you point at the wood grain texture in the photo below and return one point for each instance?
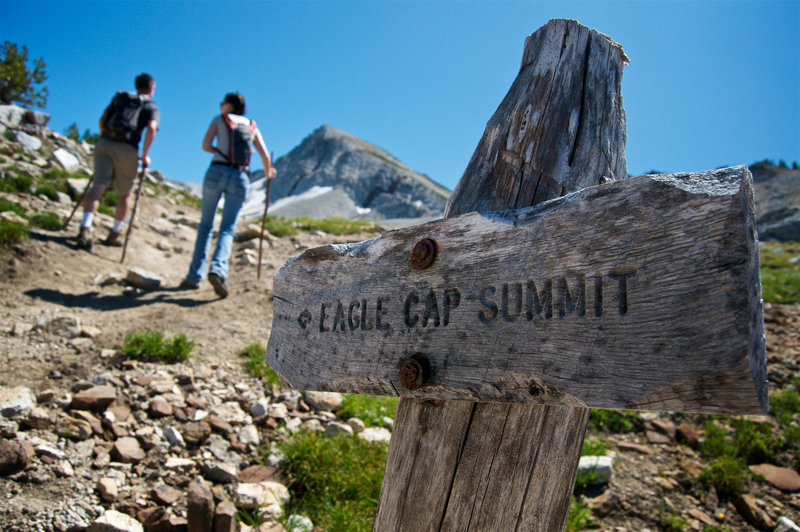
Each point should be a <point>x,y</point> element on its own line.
<point>636,294</point>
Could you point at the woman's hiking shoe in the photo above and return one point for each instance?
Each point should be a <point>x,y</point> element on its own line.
<point>113,239</point>
<point>219,284</point>
<point>84,239</point>
<point>186,285</point>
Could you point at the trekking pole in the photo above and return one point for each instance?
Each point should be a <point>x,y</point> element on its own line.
<point>80,201</point>
<point>263,223</point>
<point>133,214</point>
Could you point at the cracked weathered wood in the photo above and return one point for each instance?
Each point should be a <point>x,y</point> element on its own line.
<point>635,294</point>
<point>456,465</point>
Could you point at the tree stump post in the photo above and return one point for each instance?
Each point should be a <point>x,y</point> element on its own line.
<point>456,465</point>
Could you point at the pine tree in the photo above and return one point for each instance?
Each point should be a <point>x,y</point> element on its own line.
<point>17,82</point>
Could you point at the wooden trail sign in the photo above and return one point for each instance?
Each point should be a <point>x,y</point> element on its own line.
<point>635,294</point>
<point>461,465</point>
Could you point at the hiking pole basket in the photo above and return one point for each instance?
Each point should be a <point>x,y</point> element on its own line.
<point>133,213</point>
<point>263,223</point>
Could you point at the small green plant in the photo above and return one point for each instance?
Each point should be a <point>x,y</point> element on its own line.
<point>579,516</point>
<point>371,409</point>
<point>256,364</point>
<point>151,345</point>
<point>47,220</point>
<point>12,233</point>
<point>335,481</point>
<point>594,447</point>
<point>669,521</point>
<point>726,475</point>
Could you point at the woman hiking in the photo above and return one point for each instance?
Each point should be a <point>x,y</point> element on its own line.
<point>228,176</point>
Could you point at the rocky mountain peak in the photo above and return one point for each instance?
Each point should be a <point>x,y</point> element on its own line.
<point>333,173</point>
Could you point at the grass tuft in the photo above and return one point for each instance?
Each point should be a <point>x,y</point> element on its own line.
<point>256,364</point>
<point>371,409</point>
<point>151,345</point>
<point>47,220</point>
<point>335,481</point>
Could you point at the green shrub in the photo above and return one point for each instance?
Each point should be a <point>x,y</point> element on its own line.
<point>726,475</point>
<point>6,205</point>
<point>256,364</point>
<point>335,481</point>
<point>716,443</point>
<point>12,233</point>
<point>371,409</point>
<point>784,404</point>
<point>612,421</point>
<point>151,345</point>
<point>105,209</point>
<point>16,181</point>
<point>579,516</point>
<point>46,189</point>
<point>780,279</point>
<point>755,442</point>
<point>110,198</point>
<point>47,220</point>
<point>280,226</point>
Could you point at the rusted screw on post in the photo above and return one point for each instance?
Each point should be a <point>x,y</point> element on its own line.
<point>423,254</point>
<point>415,371</point>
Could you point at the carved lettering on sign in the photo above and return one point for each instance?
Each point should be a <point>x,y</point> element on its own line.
<point>510,301</point>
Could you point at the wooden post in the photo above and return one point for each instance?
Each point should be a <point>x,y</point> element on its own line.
<point>484,466</point>
<point>642,293</point>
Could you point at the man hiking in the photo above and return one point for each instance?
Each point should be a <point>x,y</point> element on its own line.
<point>117,154</point>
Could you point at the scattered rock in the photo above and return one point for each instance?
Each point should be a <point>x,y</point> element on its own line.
<point>200,508</point>
<point>323,401</point>
<point>96,398</point>
<point>601,467</point>
<point>107,489</point>
<point>750,510</point>
<point>14,456</point>
<point>127,450</point>
<point>375,434</point>
<point>17,401</point>
<point>67,160</point>
<point>143,279</point>
<point>783,478</point>
<point>166,494</point>
<point>225,517</point>
<point>114,521</point>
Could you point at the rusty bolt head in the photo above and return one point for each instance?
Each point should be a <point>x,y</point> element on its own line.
<point>415,371</point>
<point>423,254</point>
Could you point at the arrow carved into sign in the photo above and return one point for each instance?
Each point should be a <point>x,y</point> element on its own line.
<point>638,294</point>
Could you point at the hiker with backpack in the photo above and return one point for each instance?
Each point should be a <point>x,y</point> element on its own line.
<point>116,155</point>
<point>228,176</point>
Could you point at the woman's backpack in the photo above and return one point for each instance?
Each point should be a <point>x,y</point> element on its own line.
<point>240,136</point>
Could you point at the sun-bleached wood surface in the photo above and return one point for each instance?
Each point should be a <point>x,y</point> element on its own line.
<point>459,465</point>
<point>635,294</point>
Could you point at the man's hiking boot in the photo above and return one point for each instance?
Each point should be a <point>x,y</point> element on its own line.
<point>85,238</point>
<point>219,284</point>
<point>113,239</point>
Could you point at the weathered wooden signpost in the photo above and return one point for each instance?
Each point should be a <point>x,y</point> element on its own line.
<point>500,325</point>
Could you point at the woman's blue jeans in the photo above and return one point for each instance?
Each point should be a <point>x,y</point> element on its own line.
<point>219,181</point>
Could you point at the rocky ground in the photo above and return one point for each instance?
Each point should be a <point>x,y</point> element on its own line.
<point>88,436</point>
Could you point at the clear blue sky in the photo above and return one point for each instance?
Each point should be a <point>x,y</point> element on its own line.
<point>709,83</point>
